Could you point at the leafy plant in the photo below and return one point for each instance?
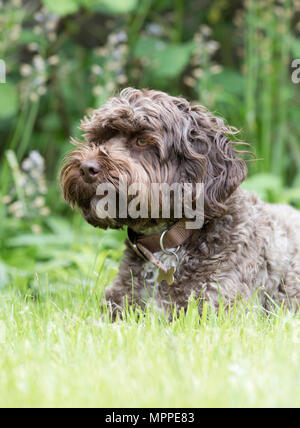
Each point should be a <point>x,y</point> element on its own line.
<point>66,57</point>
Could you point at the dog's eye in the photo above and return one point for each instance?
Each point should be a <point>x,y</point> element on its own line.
<point>141,143</point>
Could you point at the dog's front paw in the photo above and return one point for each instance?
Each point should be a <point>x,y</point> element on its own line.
<point>114,301</point>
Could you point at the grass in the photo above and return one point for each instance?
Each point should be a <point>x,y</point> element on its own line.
<point>59,350</point>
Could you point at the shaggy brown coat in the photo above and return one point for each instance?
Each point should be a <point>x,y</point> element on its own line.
<point>246,248</point>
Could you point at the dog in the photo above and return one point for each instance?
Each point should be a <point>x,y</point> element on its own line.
<point>245,249</point>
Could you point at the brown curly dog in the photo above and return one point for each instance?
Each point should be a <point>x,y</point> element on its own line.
<point>244,249</point>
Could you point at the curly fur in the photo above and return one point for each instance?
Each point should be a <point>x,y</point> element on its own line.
<point>246,248</point>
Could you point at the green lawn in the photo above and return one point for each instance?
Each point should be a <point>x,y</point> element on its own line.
<point>58,349</point>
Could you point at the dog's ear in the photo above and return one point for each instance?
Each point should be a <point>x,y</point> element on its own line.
<point>210,157</point>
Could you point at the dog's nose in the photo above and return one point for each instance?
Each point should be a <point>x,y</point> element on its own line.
<point>90,171</point>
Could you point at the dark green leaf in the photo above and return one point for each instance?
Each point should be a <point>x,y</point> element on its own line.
<point>231,81</point>
<point>166,59</point>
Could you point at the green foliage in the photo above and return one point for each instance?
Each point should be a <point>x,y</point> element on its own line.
<point>295,47</point>
<point>116,7</point>
<point>231,83</point>
<point>67,7</point>
<point>271,188</point>
<point>9,100</point>
<point>165,60</point>
<point>62,8</point>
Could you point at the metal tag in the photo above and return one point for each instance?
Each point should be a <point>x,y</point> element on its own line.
<point>166,276</point>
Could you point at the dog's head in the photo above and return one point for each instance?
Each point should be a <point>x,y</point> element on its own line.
<point>149,137</point>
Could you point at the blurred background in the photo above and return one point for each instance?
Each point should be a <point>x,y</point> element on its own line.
<point>65,57</point>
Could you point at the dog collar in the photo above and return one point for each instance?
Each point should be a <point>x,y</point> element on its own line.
<point>168,241</point>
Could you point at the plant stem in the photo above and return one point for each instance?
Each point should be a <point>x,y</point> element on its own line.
<point>252,70</point>
<point>138,20</point>
<point>33,111</point>
<point>179,14</point>
<point>283,91</point>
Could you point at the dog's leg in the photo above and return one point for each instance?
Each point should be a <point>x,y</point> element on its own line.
<point>114,299</point>
<point>124,293</point>
<point>289,289</point>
